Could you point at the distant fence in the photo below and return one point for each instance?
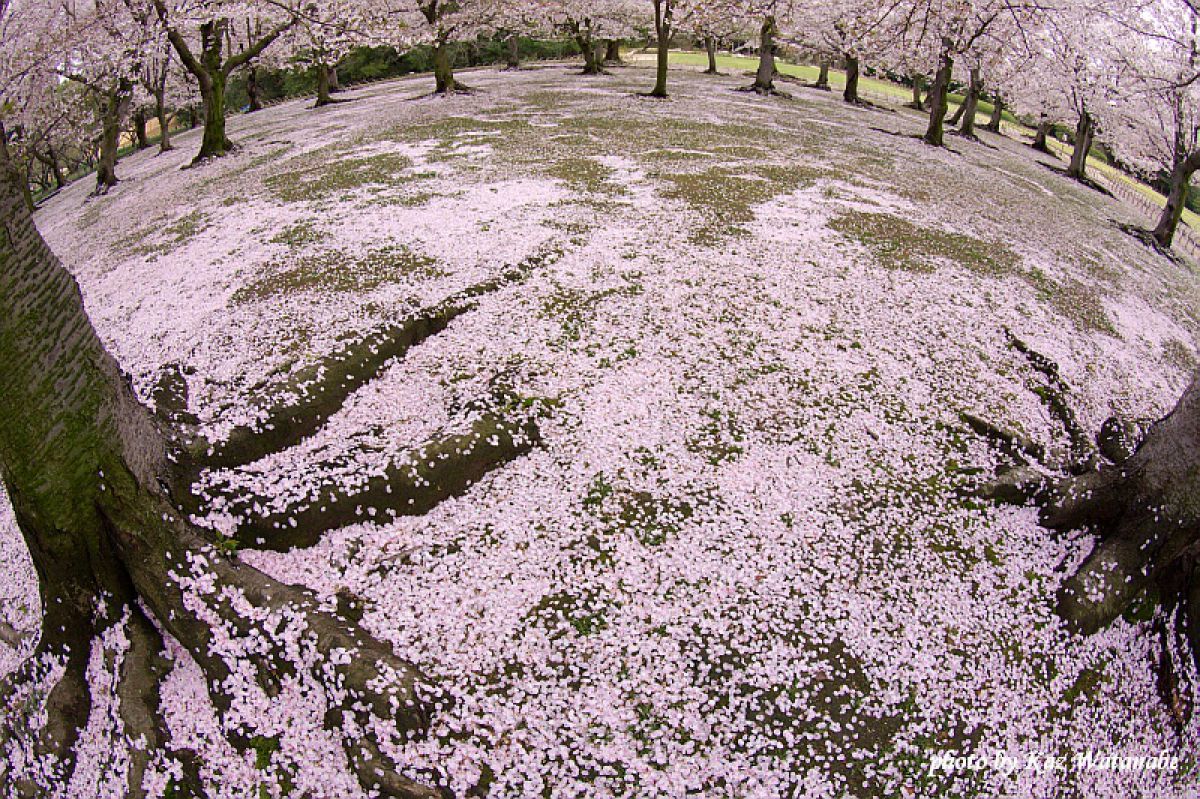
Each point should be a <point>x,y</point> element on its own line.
<point>1187,239</point>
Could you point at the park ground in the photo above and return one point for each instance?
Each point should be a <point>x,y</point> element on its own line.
<point>745,559</point>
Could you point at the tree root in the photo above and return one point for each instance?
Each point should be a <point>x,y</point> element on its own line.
<point>412,486</point>
<point>317,392</point>
<point>1083,455</point>
<point>248,632</point>
<point>765,91</point>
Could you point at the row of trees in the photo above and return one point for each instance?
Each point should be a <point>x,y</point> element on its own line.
<point>1117,71</point>
<point>101,485</point>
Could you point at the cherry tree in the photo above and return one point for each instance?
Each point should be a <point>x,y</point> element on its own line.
<point>439,24</point>
<point>590,23</point>
<point>201,32</point>
<point>713,23</point>
<point>948,30</point>
<point>852,31</point>
<point>1153,119</point>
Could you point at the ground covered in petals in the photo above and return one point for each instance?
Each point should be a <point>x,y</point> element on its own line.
<point>744,559</point>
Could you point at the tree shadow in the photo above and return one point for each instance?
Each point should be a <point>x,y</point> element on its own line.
<point>1084,181</point>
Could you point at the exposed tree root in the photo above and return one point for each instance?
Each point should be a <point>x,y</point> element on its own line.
<point>1147,238</point>
<point>1143,504</point>
<point>765,91</point>
<point>318,391</point>
<point>412,486</point>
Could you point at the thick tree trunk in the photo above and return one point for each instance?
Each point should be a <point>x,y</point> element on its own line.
<point>612,51</point>
<point>993,125</point>
<point>110,141</point>
<point>710,49</point>
<point>335,82</point>
<point>514,52</point>
<point>84,465</point>
<point>591,58</point>
<point>850,93</point>
<point>139,128</point>
<point>443,69</point>
<point>1085,130</point>
<point>1147,512</point>
<point>970,106</point>
<point>1181,180</point>
<point>764,79</point>
<point>1041,134</point>
<point>935,133</point>
<point>214,143</point>
<point>323,86</point>
<point>662,28</point>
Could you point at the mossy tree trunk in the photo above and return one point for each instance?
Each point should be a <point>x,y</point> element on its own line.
<point>139,128</point>
<point>89,475</point>
<point>1085,131</point>
<point>113,103</point>
<point>212,69</point>
<point>970,106</point>
<point>581,31</point>
<point>324,85</point>
<point>850,93</point>
<point>514,52</point>
<point>612,51</point>
<point>935,133</point>
<point>160,113</point>
<point>1172,213</point>
<point>253,95</point>
<point>918,102</point>
<point>664,14</point>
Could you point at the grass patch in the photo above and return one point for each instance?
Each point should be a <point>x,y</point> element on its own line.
<point>584,174</point>
<point>899,244</point>
<point>726,199</point>
<point>336,271</point>
<point>338,177</point>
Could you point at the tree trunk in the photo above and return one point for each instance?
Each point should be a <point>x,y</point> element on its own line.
<point>323,96</point>
<point>591,60</point>
<point>84,465</point>
<point>110,141</point>
<point>443,69</point>
<point>252,92</point>
<point>1040,136</point>
<point>764,79</point>
<point>160,112</point>
<point>850,94</point>
<point>514,52</point>
<point>958,114</point>
<point>970,106</point>
<point>335,83</point>
<point>1181,179</point>
<point>612,51</point>
<point>1084,132</point>
<point>917,101</point>
<point>710,48</point>
<point>215,143</point>
<point>935,133</point>
<point>139,129</point>
<point>993,125</point>
<point>823,76</point>
<point>662,28</point>
<point>1147,513</point>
